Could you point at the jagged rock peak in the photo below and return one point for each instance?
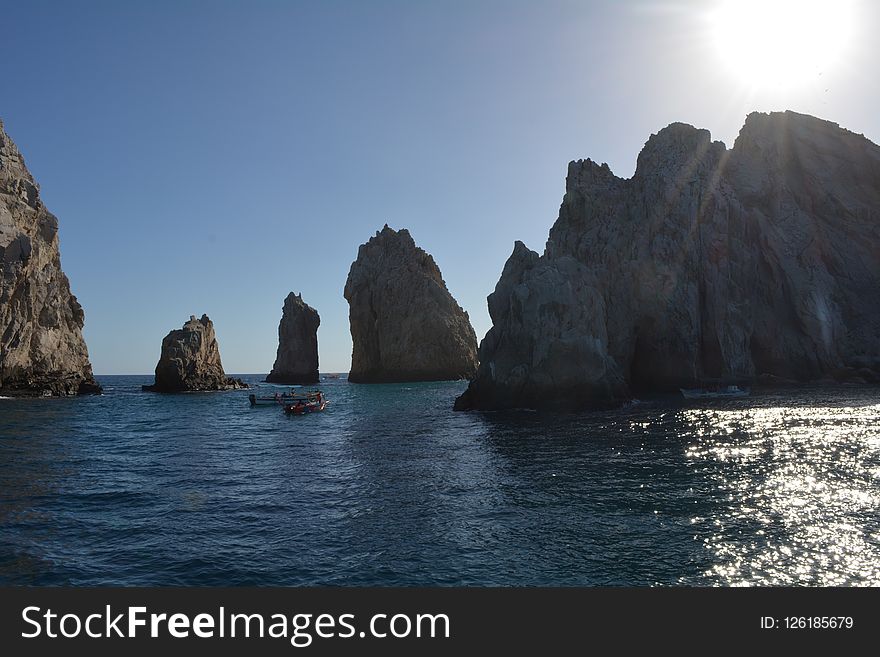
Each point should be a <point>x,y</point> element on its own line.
<point>297,358</point>
<point>42,351</point>
<point>190,360</point>
<point>761,263</point>
<point>405,325</point>
<point>676,147</point>
<point>770,126</point>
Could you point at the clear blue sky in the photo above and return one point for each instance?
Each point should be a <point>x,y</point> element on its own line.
<point>210,157</point>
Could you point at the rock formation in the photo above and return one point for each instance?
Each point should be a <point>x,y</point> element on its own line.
<point>297,359</point>
<point>405,326</point>
<point>190,361</point>
<point>757,263</point>
<point>42,351</point>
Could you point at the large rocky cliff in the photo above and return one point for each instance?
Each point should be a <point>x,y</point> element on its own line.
<point>405,325</point>
<point>757,263</point>
<point>190,361</point>
<point>42,351</point>
<point>297,358</point>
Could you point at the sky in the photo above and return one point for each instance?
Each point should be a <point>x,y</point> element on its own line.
<point>212,156</point>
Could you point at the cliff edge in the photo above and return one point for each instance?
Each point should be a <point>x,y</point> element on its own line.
<point>42,351</point>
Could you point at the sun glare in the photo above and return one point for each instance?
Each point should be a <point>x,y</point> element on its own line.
<point>782,42</point>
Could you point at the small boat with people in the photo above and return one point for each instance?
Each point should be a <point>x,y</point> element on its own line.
<point>311,403</point>
<point>278,399</point>
<point>282,398</point>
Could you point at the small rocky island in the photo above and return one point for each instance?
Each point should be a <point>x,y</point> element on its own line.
<point>759,263</point>
<point>42,351</point>
<point>190,361</point>
<point>297,358</point>
<point>405,325</point>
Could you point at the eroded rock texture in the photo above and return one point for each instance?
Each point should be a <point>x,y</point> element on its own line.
<point>297,359</point>
<point>405,325</point>
<point>190,361</point>
<point>761,262</point>
<point>42,351</point>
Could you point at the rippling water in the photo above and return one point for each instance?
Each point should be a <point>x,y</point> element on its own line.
<point>390,487</point>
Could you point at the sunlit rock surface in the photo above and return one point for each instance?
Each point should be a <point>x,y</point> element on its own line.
<point>405,325</point>
<point>190,361</point>
<point>42,351</point>
<point>297,359</point>
<point>757,263</point>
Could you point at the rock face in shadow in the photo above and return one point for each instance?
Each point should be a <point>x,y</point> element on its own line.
<point>42,351</point>
<point>297,359</point>
<point>405,325</point>
<point>190,361</point>
<point>757,263</point>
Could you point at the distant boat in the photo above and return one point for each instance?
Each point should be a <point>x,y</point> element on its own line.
<point>313,403</point>
<point>281,398</point>
<point>708,393</point>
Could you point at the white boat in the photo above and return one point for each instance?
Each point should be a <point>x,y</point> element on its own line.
<point>282,398</point>
<point>707,393</point>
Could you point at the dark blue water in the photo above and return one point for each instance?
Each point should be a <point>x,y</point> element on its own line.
<point>390,487</point>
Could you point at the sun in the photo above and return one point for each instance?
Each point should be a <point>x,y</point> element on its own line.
<point>782,42</point>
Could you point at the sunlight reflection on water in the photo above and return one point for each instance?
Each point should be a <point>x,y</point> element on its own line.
<point>390,487</point>
<point>807,476</point>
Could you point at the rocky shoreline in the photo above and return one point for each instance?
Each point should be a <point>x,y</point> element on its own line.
<point>756,264</point>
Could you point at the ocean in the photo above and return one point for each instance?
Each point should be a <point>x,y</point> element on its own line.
<point>390,487</point>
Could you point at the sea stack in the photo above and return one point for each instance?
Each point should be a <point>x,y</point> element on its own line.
<point>190,361</point>
<point>759,263</point>
<point>297,358</point>
<point>42,351</point>
<point>405,325</point>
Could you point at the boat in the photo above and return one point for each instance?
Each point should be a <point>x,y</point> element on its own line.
<point>313,403</point>
<point>281,398</point>
<point>711,393</point>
